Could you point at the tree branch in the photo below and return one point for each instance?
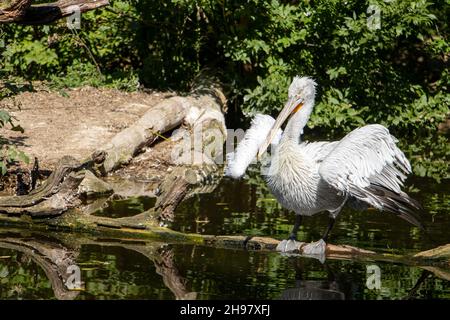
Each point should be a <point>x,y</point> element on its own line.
<point>21,11</point>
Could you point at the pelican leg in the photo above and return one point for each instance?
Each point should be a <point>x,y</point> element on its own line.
<point>330,226</point>
<point>297,223</point>
<point>291,244</point>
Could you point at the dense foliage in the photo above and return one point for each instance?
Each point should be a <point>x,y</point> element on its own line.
<point>375,61</point>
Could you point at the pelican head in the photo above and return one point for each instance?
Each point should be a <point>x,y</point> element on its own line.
<point>301,92</point>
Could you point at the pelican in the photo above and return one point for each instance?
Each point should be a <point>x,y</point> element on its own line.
<point>363,170</point>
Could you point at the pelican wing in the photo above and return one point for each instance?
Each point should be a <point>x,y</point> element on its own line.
<point>367,165</point>
<point>318,150</point>
<point>239,160</point>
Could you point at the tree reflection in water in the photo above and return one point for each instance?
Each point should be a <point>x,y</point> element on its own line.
<point>54,256</point>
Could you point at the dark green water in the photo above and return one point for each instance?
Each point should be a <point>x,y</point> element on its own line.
<point>113,270</point>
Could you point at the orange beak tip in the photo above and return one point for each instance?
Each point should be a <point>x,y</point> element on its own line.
<point>298,107</point>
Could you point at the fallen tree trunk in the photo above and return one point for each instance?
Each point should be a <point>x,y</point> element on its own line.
<point>125,145</point>
<point>144,228</point>
<point>161,254</point>
<point>23,12</point>
<point>53,197</point>
<point>198,113</point>
<point>184,161</point>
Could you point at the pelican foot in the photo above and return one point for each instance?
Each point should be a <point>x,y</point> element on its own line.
<point>288,245</point>
<point>315,248</point>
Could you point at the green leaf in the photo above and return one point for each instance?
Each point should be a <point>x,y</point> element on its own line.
<point>5,117</point>
<point>3,167</point>
<point>23,157</point>
<point>333,100</point>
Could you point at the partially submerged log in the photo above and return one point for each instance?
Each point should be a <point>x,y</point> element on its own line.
<point>178,186</point>
<point>185,161</point>
<point>23,12</point>
<point>56,253</point>
<point>152,240</point>
<point>144,228</point>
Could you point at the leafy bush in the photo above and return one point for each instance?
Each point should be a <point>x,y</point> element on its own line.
<point>395,73</point>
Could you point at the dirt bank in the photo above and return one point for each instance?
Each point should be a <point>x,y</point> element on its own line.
<point>76,123</point>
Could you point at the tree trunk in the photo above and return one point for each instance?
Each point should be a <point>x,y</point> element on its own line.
<point>21,11</point>
<point>186,160</point>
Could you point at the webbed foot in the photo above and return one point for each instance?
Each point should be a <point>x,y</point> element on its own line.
<point>289,245</point>
<point>315,248</point>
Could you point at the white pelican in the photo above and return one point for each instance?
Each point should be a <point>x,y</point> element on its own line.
<point>364,169</point>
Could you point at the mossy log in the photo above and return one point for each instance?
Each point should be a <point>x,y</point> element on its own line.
<point>23,12</point>
<point>152,242</point>
<point>144,228</point>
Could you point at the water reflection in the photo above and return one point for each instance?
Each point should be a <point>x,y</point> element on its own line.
<point>53,259</point>
<point>336,286</point>
<point>34,265</point>
<point>31,263</point>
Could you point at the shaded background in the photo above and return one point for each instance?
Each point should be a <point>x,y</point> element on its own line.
<point>395,73</point>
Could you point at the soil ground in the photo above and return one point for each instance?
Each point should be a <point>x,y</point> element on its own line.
<point>76,123</point>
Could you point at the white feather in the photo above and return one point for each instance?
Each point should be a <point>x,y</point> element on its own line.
<point>245,153</point>
<point>366,166</point>
<point>366,155</point>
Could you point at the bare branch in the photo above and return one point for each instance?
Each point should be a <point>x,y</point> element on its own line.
<point>21,11</point>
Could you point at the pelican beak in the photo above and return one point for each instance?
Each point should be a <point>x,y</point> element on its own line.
<point>291,107</point>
